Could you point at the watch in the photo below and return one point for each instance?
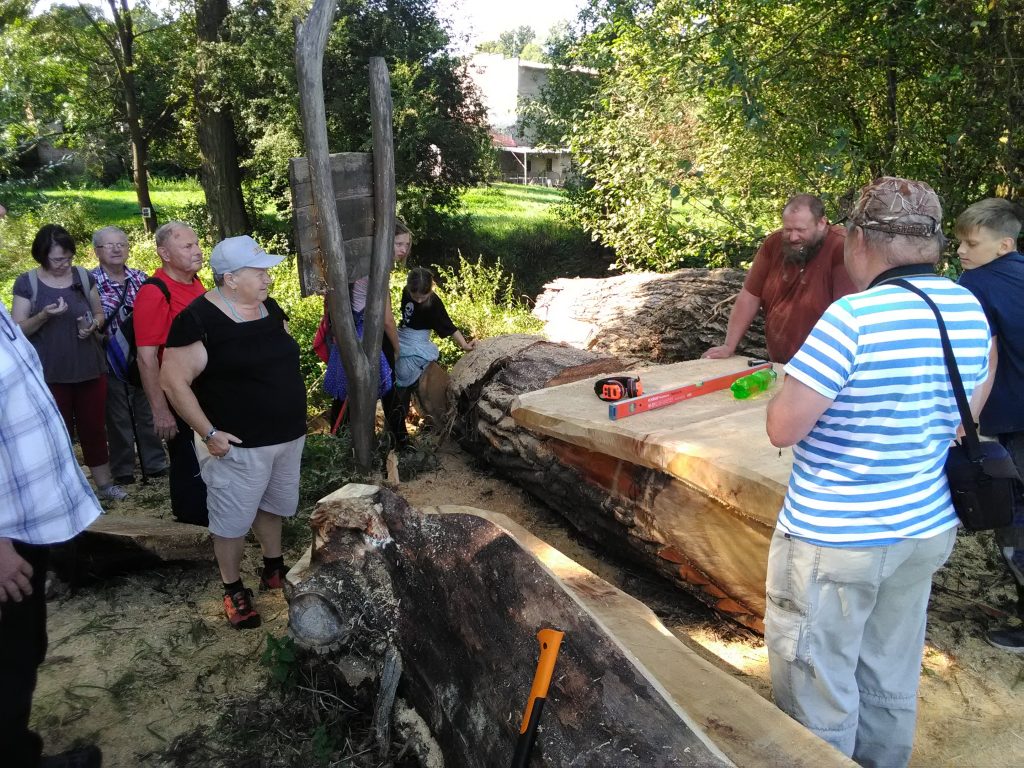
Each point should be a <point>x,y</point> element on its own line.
<point>211,433</point>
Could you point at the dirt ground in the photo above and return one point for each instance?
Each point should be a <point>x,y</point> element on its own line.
<point>140,659</point>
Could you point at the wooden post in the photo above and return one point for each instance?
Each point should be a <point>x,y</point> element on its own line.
<point>310,43</point>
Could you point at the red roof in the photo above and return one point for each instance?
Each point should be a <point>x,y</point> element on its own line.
<point>502,140</point>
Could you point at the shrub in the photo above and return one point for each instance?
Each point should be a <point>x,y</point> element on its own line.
<point>481,302</point>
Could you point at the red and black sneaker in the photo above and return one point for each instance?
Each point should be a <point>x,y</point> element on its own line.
<point>239,610</point>
<point>273,579</point>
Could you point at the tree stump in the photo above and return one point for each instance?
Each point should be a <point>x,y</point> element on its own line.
<point>662,318</point>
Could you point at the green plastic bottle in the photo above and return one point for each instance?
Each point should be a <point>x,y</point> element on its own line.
<point>754,383</point>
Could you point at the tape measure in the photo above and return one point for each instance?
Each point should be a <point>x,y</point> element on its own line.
<point>614,388</point>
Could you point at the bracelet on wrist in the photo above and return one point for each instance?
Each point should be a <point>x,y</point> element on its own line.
<point>210,434</point>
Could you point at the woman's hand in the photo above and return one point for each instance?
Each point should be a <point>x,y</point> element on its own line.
<point>469,346</point>
<point>221,443</point>
<point>84,333</point>
<point>59,307</point>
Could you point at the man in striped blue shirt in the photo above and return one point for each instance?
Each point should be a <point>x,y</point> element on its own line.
<point>867,518</point>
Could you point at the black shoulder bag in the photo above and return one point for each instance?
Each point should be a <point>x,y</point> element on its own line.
<point>981,474</point>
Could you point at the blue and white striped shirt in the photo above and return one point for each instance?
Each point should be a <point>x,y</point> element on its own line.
<point>44,497</point>
<point>871,471</point>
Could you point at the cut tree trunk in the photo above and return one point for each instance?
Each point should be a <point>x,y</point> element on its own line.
<point>708,544</point>
<point>451,599</point>
<point>662,318</point>
<point>462,602</point>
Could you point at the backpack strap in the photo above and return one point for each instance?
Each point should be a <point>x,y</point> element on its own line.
<point>159,284</point>
<point>83,278</point>
<point>33,284</point>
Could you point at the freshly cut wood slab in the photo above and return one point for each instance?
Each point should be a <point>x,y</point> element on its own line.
<point>747,728</point>
<point>713,442</point>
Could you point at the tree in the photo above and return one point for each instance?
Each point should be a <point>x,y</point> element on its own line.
<point>220,173</point>
<point>515,44</point>
<point>441,142</point>
<point>119,38</point>
<point>361,358</point>
<point>711,113</point>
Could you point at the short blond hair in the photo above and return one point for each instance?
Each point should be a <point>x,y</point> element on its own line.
<point>1000,217</point>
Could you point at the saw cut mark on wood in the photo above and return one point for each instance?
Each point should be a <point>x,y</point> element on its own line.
<point>634,405</point>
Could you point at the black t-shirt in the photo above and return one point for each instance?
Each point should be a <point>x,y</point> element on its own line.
<point>252,386</point>
<point>430,315</point>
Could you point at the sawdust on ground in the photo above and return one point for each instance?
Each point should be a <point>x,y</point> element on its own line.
<point>136,660</point>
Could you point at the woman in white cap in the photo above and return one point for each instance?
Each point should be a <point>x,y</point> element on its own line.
<point>231,370</point>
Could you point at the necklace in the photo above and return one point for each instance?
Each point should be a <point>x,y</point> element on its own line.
<point>234,312</point>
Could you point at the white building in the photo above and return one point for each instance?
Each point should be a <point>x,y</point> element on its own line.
<point>504,85</point>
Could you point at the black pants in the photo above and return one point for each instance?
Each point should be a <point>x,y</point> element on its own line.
<point>22,650</point>
<point>188,491</point>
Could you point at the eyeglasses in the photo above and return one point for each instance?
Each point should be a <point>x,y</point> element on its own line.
<point>60,262</point>
<point>114,246</point>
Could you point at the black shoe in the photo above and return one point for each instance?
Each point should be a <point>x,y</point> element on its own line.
<point>1010,640</point>
<point>158,473</point>
<point>124,479</point>
<point>80,757</point>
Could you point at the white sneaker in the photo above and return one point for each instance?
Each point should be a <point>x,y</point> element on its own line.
<point>112,493</point>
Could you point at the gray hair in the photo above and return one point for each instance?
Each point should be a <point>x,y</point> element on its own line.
<point>163,234</point>
<point>899,250</point>
<point>99,233</point>
<point>218,279</point>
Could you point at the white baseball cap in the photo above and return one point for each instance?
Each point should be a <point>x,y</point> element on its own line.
<point>235,253</point>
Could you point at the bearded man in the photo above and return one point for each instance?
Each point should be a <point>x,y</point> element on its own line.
<point>797,273</point>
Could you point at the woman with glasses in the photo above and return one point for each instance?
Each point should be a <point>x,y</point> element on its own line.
<point>59,310</point>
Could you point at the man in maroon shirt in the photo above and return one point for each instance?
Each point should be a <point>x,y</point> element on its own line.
<point>797,273</point>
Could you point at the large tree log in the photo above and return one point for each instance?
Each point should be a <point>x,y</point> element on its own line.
<point>453,597</point>
<point>710,548</point>
<point>656,317</point>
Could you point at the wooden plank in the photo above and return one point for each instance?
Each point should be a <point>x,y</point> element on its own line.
<point>353,169</point>
<point>352,176</point>
<point>714,442</point>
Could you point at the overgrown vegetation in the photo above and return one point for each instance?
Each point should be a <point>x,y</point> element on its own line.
<point>481,296</point>
<point>739,104</point>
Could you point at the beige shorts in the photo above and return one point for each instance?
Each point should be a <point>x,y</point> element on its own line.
<point>247,480</point>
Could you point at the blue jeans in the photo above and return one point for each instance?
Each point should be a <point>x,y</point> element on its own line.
<point>844,628</point>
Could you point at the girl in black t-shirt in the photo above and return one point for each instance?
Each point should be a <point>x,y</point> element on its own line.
<point>422,312</point>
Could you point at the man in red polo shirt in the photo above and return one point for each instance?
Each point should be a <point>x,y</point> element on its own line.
<point>178,248</point>
<point>797,273</point>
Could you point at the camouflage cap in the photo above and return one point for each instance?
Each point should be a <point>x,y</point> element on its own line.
<point>899,207</point>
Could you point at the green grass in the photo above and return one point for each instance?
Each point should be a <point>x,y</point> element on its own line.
<point>117,205</point>
<point>501,205</point>
<point>524,229</point>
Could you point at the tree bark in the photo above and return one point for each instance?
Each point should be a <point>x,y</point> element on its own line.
<point>662,318</point>
<point>461,601</point>
<point>361,360</point>
<point>218,148</point>
<point>122,52</point>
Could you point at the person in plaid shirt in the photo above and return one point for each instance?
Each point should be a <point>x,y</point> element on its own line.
<point>44,499</point>
<point>118,284</point>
